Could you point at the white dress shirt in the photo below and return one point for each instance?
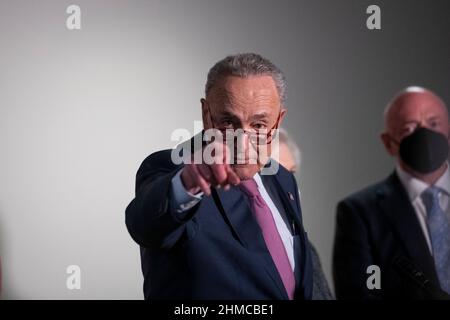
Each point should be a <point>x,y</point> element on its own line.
<point>415,187</point>
<point>183,201</point>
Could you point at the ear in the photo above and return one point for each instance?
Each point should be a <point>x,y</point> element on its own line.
<point>388,144</point>
<point>205,114</point>
<point>282,115</point>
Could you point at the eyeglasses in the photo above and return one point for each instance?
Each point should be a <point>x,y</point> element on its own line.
<point>256,136</point>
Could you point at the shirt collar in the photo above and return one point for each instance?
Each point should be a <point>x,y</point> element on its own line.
<point>258,180</point>
<point>444,181</point>
<point>414,187</point>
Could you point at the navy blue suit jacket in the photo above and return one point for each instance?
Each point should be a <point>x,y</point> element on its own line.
<point>216,249</point>
<point>378,226</point>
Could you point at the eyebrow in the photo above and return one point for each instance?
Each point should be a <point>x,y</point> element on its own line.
<point>257,116</point>
<point>433,117</point>
<point>227,114</point>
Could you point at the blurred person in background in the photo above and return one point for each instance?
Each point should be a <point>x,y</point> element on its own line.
<point>289,156</point>
<point>401,225</point>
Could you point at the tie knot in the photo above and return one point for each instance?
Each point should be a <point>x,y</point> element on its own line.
<point>249,187</point>
<point>430,197</point>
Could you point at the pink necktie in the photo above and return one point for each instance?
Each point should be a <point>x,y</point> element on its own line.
<point>270,233</point>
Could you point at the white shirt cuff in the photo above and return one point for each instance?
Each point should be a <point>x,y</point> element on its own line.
<point>182,200</point>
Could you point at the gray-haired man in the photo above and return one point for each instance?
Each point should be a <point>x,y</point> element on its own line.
<point>220,229</point>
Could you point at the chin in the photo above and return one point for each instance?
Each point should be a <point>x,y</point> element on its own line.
<point>245,171</point>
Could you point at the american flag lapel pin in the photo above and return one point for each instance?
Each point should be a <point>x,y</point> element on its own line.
<point>291,196</point>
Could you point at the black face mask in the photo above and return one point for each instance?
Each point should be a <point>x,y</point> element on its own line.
<point>424,150</point>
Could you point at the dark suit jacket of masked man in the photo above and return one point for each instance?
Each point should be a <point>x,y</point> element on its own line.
<point>378,226</point>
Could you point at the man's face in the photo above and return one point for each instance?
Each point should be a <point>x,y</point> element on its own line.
<point>410,111</point>
<point>250,103</point>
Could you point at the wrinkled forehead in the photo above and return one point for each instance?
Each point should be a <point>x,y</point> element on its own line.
<point>416,106</point>
<point>251,91</point>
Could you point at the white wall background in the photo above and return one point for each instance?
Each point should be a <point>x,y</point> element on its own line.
<point>80,110</point>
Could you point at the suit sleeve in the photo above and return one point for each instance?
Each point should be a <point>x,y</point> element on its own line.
<point>321,290</point>
<point>150,217</point>
<point>352,253</point>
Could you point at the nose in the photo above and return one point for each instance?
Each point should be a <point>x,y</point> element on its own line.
<point>242,141</point>
<point>241,148</point>
<point>423,124</point>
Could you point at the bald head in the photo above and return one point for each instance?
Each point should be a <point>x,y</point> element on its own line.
<point>413,107</point>
<point>410,109</point>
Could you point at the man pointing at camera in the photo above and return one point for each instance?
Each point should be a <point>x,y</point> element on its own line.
<point>221,228</point>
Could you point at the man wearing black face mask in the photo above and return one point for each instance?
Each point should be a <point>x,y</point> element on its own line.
<point>402,224</point>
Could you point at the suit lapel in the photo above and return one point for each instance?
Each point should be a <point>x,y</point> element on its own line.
<point>284,194</point>
<point>238,216</point>
<point>287,196</point>
<point>284,199</point>
<point>397,207</point>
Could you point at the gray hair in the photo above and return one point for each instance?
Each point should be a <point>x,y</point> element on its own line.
<point>285,138</point>
<point>244,65</point>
